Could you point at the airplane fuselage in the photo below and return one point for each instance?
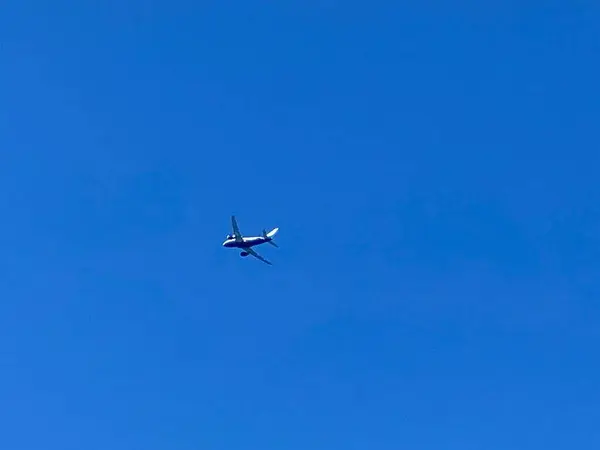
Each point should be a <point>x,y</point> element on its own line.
<point>247,242</point>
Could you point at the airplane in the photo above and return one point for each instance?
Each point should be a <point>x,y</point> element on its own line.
<point>236,240</point>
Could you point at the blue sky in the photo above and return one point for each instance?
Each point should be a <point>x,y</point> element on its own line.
<point>434,172</point>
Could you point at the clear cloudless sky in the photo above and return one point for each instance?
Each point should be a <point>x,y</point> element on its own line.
<point>433,166</point>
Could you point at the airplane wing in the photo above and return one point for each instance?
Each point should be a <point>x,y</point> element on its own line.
<point>256,255</point>
<point>236,229</point>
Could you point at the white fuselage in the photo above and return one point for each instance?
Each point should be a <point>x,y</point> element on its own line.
<point>246,242</point>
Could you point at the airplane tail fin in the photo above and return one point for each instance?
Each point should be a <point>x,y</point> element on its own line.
<point>270,235</point>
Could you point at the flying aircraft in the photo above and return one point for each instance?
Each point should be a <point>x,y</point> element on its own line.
<point>236,240</point>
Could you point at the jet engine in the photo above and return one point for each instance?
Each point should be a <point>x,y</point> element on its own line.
<point>244,254</point>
